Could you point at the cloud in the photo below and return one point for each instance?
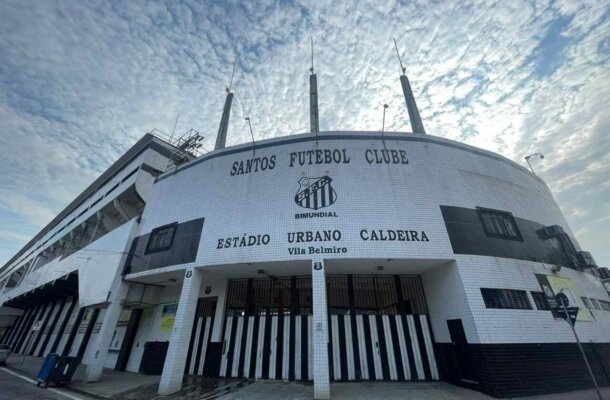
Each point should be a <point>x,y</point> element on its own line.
<point>81,82</point>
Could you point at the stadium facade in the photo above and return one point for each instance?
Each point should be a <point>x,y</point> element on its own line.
<point>324,257</point>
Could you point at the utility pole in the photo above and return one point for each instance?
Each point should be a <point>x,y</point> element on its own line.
<point>561,300</point>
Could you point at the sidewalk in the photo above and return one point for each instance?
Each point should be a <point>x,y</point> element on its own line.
<point>131,386</point>
<point>112,384</point>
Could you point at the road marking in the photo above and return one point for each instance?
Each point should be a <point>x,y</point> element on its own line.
<point>60,392</point>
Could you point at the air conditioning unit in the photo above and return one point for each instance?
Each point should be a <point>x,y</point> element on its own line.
<point>585,259</point>
<point>552,231</point>
<point>602,273</point>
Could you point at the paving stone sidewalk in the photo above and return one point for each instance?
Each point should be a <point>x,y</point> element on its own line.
<point>131,386</point>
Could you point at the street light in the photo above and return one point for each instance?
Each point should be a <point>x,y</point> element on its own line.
<point>527,158</point>
<point>252,134</point>
<point>383,120</point>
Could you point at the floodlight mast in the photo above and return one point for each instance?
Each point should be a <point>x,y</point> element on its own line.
<point>221,138</point>
<point>314,120</point>
<point>416,124</point>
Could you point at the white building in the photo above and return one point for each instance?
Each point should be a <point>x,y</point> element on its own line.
<point>338,256</point>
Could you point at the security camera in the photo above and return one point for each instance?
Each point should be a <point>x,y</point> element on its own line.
<point>556,268</point>
<point>541,156</point>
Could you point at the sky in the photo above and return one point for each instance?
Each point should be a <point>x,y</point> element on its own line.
<point>81,82</point>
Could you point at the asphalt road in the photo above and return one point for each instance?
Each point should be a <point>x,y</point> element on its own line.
<point>13,387</point>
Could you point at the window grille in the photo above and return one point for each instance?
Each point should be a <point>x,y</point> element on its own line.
<point>540,301</point>
<point>605,305</point>
<point>499,224</point>
<point>161,238</point>
<point>595,304</point>
<point>269,296</point>
<point>506,298</point>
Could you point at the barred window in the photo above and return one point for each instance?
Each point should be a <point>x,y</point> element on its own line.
<point>605,305</point>
<point>499,224</point>
<point>540,301</point>
<point>161,238</point>
<point>506,298</point>
<point>595,304</point>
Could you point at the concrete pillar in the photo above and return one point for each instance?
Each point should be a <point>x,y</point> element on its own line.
<point>175,362</point>
<point>104,337</point>
<point>321,370</point>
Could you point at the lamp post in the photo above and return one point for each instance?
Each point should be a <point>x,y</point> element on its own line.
<point>251,134</point>
<point>527,158</point>
<point>383,120</point>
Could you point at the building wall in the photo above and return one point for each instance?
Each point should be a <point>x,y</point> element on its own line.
<point>404,192</point>
<point>534,326</point>
<point>446,299</point>
<point>369,196</point>
<point>150,328</point>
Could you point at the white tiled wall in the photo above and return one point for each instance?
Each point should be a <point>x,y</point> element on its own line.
<point>527,326</point>
<point>380,196</point>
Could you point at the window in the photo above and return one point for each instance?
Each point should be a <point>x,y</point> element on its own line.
<point>506,298</point>
<point>605,305</point>
<point>161,238</point>
<point>595,304</point>
<point>585,301</point>
<point>499,224</point>
<point>540,301</point>
<point>130,174</point>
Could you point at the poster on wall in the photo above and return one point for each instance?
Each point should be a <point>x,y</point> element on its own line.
<point>552,285</point>
<point>168,317</point>
<point>124,318</point>
<point>87,316</point>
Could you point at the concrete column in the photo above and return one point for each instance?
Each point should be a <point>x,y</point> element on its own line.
<point>321,374</point>
<point>175,362</point>
<point>104,337</point>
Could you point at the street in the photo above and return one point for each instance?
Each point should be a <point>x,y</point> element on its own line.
<point>15,387</point>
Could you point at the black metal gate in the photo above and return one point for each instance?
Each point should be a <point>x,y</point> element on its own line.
<point>201,336</point>
<point>379,329</point>
<point>267,333</point>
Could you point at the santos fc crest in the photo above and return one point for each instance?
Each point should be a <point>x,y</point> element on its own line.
<point>315,193</point>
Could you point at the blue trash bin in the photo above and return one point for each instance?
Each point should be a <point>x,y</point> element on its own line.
<point>46,369</point>
<point>63,370</point>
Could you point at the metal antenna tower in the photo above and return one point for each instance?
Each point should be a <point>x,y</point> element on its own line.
<point>416,125</point>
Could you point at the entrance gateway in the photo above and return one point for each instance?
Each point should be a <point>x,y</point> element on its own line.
<point>378,329</point>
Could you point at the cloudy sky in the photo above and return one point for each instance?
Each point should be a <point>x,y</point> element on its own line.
<point>81,81</point>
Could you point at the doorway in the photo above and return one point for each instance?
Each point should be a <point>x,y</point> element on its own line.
<point>461,355</point>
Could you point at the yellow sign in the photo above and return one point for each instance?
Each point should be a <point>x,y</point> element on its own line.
<point>124,317</point>
<point>168,316</point>
<point>566,286</point>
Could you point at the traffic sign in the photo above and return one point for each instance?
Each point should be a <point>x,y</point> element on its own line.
<point>572,313</point>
